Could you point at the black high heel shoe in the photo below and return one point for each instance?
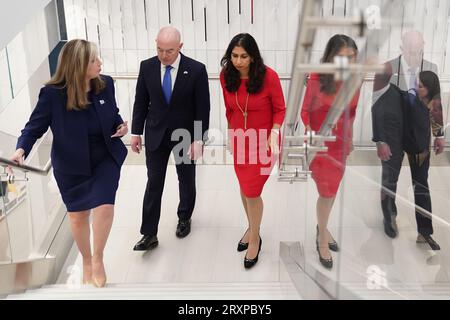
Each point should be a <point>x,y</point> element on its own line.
<point>327,263</point>
<point>248,263</point>
<point>333,246</point>
<point>242,245</point>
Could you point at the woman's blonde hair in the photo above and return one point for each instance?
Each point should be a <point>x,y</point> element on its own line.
<point>70,73</point>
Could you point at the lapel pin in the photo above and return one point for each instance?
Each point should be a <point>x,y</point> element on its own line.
<point>102,101</point>
<point>185,72</point>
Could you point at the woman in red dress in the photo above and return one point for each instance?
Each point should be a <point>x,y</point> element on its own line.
<point>255,110</point>
<point>328,167</point>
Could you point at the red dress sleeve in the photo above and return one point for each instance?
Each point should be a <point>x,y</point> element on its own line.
<point>312,89</point>
<point>276,97</point>
<point>228,110</point>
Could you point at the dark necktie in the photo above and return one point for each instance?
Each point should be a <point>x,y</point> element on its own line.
<point>167,84</point>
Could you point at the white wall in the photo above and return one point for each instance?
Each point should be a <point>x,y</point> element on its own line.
<point>15,14</point>
<point>24,69</point>
<point>126,29</point>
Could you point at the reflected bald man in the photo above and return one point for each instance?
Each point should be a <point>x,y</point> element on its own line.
<point>171,108</point>
<point>387,125</point>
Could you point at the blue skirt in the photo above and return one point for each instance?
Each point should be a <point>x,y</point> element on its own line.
<point>80,192</point>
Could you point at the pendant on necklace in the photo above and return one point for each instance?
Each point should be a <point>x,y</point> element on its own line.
<point>245,120</point>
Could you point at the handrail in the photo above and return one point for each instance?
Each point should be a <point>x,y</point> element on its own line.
<point>26,168</point>
<point>211,76</point>
<point>442,79</point>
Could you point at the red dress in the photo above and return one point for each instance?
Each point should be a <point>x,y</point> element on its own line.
<point>253,161</point>
<point>328,167</point>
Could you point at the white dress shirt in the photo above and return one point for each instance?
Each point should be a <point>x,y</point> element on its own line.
<point>406,72</point>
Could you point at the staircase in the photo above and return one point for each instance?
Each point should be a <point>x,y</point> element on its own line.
<point>165,291</point>
<point>401,291</point>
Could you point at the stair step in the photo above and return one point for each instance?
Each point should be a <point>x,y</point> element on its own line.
<point>172,291</point>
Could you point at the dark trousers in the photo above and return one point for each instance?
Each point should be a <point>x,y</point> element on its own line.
<point>419,165</point>
<point>156,173</point>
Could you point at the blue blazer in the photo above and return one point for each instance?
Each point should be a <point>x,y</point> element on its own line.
<point>189,102</point>
<point>70,147</point>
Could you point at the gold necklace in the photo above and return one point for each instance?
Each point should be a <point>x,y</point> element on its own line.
<point>244,112</point>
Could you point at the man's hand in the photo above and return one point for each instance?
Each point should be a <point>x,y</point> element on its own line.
<point>195,150</point>
<point>439,144</point>
<point>136,144</point>
<point>384,151</point>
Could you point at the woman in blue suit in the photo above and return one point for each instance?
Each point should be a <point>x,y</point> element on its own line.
<point>79,106</point>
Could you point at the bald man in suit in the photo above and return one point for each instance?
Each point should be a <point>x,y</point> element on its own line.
<point>172,97</point>
<point>387,124</point>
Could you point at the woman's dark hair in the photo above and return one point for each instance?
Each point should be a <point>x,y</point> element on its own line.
<point>334,45</point>
<point>430,81</point>
<point>257,68</point>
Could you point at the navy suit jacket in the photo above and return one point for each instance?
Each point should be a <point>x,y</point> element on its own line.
<point>189,101</point>
<point>387,114</point>
<point>387,118</point>
<point>70,146</point>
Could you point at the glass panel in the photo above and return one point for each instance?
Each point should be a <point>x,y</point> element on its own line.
<point>370,263</point>
<point>400,264</point>
<point>5,82</point>
<point>5,249</point>
<point>30,203</point>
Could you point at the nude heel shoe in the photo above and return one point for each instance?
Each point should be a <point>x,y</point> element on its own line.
<point>87,273</point>
<point>99,281</point>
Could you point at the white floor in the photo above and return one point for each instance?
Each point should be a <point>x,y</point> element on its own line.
<point>209,253</point>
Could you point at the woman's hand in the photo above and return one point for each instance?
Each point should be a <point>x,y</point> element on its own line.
<point>17,157</point>
<point>230,141</point>
<point>439,145</point>
<point>121,130</point>
<point>272,142</point>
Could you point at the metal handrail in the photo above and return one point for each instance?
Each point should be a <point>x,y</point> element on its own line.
<point>26,168</point>
<point>211,76</point>
<point>442,79</point>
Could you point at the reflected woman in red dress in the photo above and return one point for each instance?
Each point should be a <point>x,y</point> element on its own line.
<point>328,167</point>
<point>255,110</point>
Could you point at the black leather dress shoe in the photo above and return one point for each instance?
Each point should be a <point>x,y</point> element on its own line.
<point>428,239</point>
<point>146,243</point>
<point>183,228</point>
<point>390,228</point>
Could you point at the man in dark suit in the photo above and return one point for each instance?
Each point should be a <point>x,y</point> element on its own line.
<point>172,104</point>
<point>387,123</point>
